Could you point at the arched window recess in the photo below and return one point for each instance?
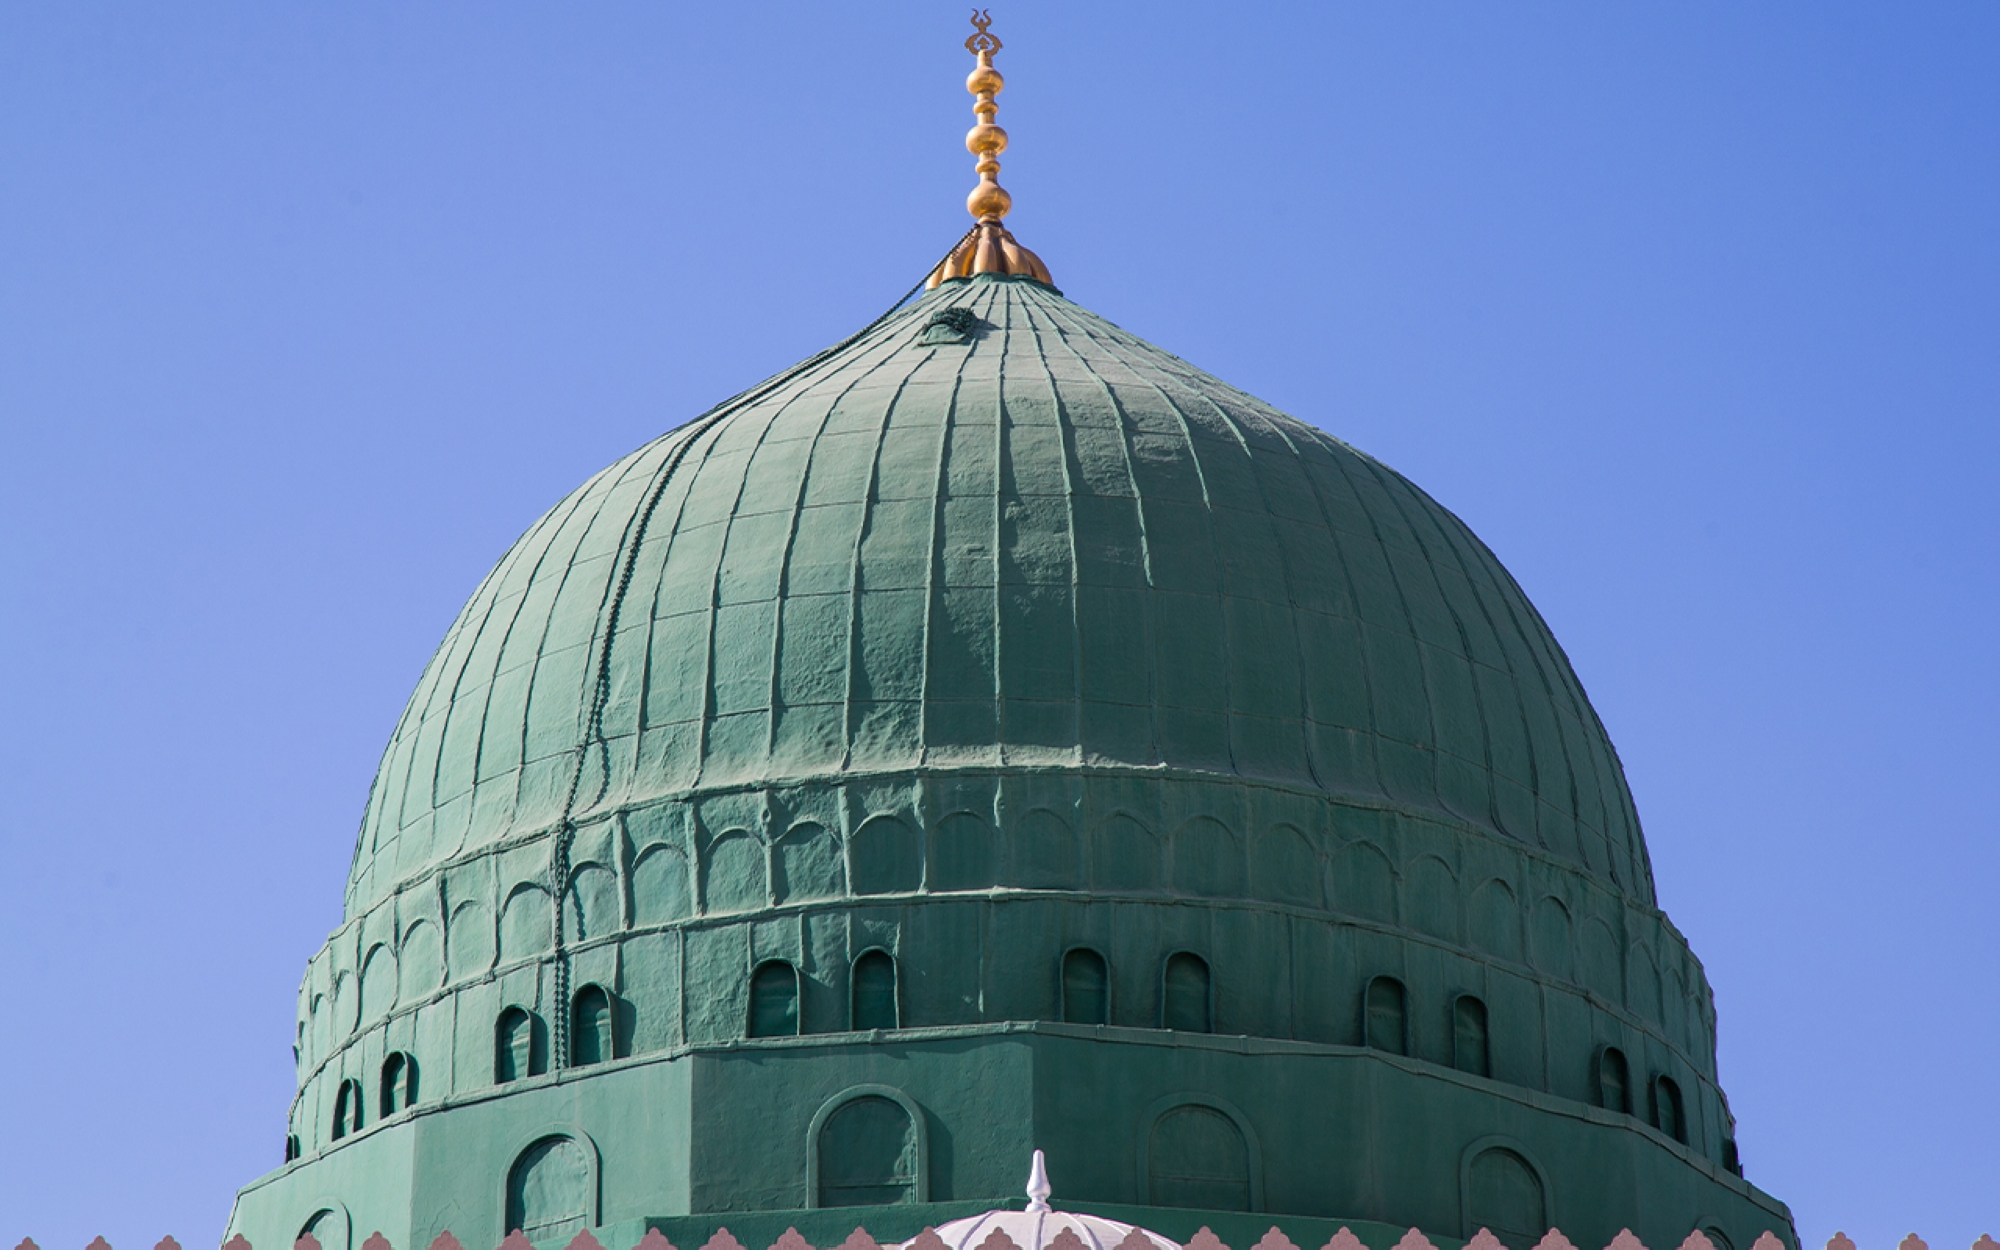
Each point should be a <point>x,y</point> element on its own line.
<point>873,999</point>
<point>399,1083</point>
<point>593,1027</point>
<point>1385,1017</point>
<point>520,1047</point>
<point>1187,994</point>
<point>774,1000</point>
<point>1086,987</point>
<point>1471,1050</point>
<point>347,1109</point>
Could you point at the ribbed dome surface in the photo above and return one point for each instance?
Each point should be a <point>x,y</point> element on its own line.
<point>1053,547</point>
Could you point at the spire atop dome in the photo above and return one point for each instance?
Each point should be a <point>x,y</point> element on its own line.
<point>988,248</point>
<point>1038,1185</point>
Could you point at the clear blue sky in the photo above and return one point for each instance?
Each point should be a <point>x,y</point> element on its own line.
<point>1692,310</point>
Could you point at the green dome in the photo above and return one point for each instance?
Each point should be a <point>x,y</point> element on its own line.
<point>1054,547</point>
<point>991,735</point>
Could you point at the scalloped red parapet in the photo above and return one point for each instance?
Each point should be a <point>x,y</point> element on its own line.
<point>443,1241</point>
<point>997,1240</point>
<point>927,1240</point>
<point>858,1240</point>
<point>1415,1240</point>
<point>1344,1240</point>
<point>98,1243</point>
<point>1484,1240</point>
<point>1275,1240</point>
<point>791,1239</point>
<point>167,1243</point>
<point>1912,1242</point>
<point>1985,1242</point>
<point>1841,1241</point>
<point>723,1240</point>
<point>376,1241</point>
<point>654,1240</point>
<point>1137,1240</point>
<point>1205,1239</point>
<point>1555,1241</point>
<point>306,1241</point>
<point>582,1241</point>
<point>1768,1240</point>
<point>1697,1240</point>
<point>516,1240</point>
<point>1626,1240</point>
<point>238,1242</point>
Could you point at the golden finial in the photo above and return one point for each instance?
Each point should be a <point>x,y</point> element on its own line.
<point>988,201</point>
<point>989,248</point>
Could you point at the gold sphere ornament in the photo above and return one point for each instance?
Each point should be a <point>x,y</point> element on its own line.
<point>988,248</point>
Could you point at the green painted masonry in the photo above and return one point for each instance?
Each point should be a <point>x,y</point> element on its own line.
<point>1050,670</point>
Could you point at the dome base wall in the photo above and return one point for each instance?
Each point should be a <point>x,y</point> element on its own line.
<point>1334,1133</point>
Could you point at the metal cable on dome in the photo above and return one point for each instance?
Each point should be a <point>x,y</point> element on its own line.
<point>629,546</point>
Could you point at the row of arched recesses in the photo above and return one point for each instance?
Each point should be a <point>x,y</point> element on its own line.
<point>1385,1025</point>
<point>1187,991</point>
<point>867,1146</point>
<point>396,1092</point>
<point>1187,1000</point>
<point>1664,1108</point>
<point>873,1002</point>
<point>521,1042</point>
<point>1508,919</point>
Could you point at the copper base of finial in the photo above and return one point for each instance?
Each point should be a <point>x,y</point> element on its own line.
<point>989,249</point>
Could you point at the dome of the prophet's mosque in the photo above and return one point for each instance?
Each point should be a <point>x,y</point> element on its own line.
<point>993,733</point>
<point>1048,546</point>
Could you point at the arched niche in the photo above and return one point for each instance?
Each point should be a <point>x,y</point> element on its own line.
<point>1496,920</point>
<point>1043,851</point>
<point>660,885</point>
<point>420,965</point>
<point>1187,994</point>
<point>1503,1188</point>
<point>526,926</point>
<point>965,853</point>
<point>520,1045</point>
<point>1614,1080</point>
<point>552,1187</point>
<point>469,947</point>
<point>774,1001</point>
<point>1085,987</point>
<point>885,856</point>
<point>1197,1150</point>
<point>1430,898</point>
<point>854,1156</point>
<point>874,1000</point>
<point>1385,1016</point>
<point>733,874</point>
<point>378,982</point>
<point>326,1220</point>
<point>807,865</point>
<point>1601,965</point>
<point>592,903</point>
<point>593,1026</point>
<point>1471,1044</point>
<point>1207,860</point>
<point>1550,941</point>
<point>1363,882</point>
<point>1124,856</point>
<point>1285,868</point>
